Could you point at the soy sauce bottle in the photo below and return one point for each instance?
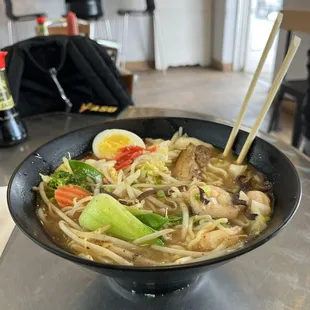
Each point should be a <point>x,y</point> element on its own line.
<point>12,129</point>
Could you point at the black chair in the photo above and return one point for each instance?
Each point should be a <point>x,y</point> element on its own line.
<point>125,14</point>
<point>17,18</point>
<point>293,21</point>
<point>90,10</point>
<point>85,9</point>
<point>150,8</point>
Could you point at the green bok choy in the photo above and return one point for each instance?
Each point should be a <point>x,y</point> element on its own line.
<point>84,171</point>
<point>104,210</point>
<point>150,219</point>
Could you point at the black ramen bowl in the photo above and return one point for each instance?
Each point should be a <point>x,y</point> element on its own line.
<point>263,156</point>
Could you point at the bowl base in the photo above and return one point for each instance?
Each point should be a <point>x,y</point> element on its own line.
<point>157,288</point>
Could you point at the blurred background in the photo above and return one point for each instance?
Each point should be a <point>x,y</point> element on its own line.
<point>189,55</point>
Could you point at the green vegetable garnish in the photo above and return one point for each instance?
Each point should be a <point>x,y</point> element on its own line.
<point>258,225</point>
<point>152,220</point>
<point>174,220</point>
<point>207,190</point>
<point>108,189</point>
<point>61,178</point>
<point>83,170</point>
<point>161,194</point>
<point>197,196</point>
<point>104,210</point>
<point>235,190</point>
<point>158,180</point>
<point>152,168</point>
<point>267,219</point>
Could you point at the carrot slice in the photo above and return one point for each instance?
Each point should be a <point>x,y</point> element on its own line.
<point>64,195</point>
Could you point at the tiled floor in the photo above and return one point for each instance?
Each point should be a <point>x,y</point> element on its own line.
<point>205,91</point>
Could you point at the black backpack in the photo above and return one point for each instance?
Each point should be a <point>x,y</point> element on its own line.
<point>64,73</point>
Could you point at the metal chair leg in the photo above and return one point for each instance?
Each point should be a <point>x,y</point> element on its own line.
<point>119,39</point>
<point>10,32</point>
<point>91,29</point>
<point>297,128</point>
<point>276,111</point>
<point>124,39</point>
<point>108,29</point>
<point>157,28</point>
<point>16,31</point>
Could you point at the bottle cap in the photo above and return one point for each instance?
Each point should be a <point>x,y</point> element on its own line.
<point>71,14</point>
<point>2,59</point>
<point>41,19</point>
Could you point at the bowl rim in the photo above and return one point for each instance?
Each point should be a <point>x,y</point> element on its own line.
<point>212,261</point>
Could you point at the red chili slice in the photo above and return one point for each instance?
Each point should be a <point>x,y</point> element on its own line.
<point>131,148</point>
<point>135,155</point>
<point>121,155</point>
<point>152,149</point>
<point>123,164</point>
<point>127,155</point>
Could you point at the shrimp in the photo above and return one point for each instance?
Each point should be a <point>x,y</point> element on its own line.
<point>259,197</point>
<point>222,197</point>
<point>218,238</point>
<point>219,211</point>
<point>220,204</point>
<point>260,203</point>
<point>213,239</point>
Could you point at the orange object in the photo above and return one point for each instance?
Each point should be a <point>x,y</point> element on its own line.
<point>123,164</point>
<point>64,195</point>
<point>2,59</point>
<point>41,20</point>
<point>152,149</point>
<point>73,25</point>
<point>131,148</point>
<point>127,155</point>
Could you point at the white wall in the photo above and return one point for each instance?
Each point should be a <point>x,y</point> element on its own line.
<point>140,34</point>
<point>140,38</point>
<point>224,22</point>
<point>229,31</point>
<point>185,33</point>
<point>219,13</point>
<point>53,8</point>
<point>298,67</point>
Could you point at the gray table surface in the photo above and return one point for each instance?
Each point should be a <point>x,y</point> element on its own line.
<point>276,276</point>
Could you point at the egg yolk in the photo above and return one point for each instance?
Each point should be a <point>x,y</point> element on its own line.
<point>109,146</point>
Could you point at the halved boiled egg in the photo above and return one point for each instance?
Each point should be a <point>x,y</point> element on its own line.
<point>108,142</point>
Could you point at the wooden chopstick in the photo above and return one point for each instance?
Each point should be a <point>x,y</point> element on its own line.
<point>272,93</point>
<point>250,91</point>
